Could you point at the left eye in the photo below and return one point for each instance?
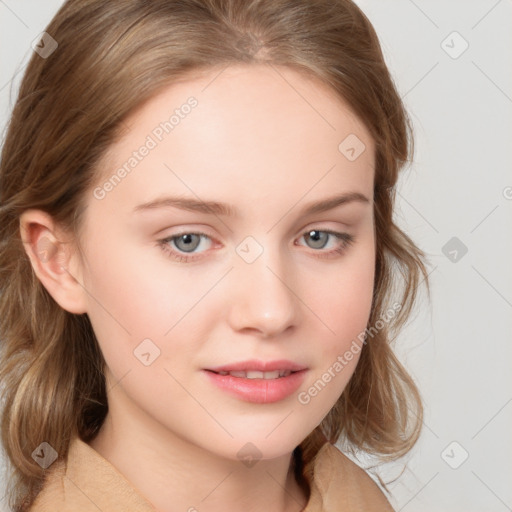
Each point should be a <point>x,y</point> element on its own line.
<point>318,238</point>
<point>187,242</point>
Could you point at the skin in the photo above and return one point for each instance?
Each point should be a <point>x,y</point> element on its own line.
<point>265,141</point>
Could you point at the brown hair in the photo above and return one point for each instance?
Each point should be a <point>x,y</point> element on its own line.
<point>111,57</point>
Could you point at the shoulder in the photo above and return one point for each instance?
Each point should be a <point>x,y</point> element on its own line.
<point>86,482</point>
<point>340,484</point>
<point>51,496</point>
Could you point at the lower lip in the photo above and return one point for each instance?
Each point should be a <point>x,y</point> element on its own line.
<point>259,391</point>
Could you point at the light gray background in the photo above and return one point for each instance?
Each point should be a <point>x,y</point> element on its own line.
<point>458,348</point>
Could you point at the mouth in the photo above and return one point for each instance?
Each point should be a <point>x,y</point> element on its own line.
<point>255,374</point>
<point>258,381</point>
<point>256,369</point>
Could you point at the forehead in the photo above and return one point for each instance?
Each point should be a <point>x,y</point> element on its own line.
<point>253,129</point>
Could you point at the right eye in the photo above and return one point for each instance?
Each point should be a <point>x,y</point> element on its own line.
<point>184,243</point>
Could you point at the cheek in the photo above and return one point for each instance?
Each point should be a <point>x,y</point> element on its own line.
<point>345,300</point>
<point>132,300</point>
<point>127,288</point>
<point>126,301</point>
<point>344,306</point>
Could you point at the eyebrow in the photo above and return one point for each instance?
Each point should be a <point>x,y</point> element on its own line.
<point>217,208</point>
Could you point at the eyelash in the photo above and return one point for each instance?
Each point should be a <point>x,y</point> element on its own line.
<point>346,241</point>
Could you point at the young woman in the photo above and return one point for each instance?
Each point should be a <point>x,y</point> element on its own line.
<point>200,271</point>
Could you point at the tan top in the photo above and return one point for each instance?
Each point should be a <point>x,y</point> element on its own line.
<point>91,484</point>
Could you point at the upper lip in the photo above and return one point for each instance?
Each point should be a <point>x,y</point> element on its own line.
<point>257,365</point>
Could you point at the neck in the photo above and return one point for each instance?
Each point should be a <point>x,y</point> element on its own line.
<point>173,474</point>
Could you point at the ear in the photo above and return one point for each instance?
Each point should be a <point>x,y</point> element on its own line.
<point>54,260</point>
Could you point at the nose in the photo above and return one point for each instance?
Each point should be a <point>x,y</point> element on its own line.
<point>263,299</point>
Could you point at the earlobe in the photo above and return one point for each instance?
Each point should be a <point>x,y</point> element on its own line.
<point>53,260</point>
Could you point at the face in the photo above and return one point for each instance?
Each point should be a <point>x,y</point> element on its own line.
<point>177,287</point>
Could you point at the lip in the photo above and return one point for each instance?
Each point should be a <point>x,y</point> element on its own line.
<point>257,365</point>
<point>260,391</point>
